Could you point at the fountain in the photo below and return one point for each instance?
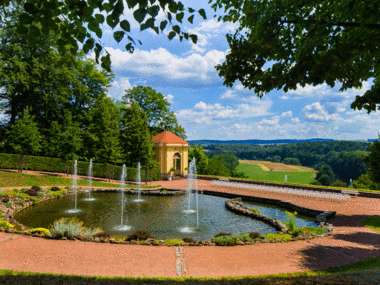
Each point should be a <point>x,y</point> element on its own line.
<point>351,184</point>
<point>122,182</point>
<point>138,180</point>
<point>192,184</point>
<point>286,178</point>
<point>74,187</point>
<point>89,174</point>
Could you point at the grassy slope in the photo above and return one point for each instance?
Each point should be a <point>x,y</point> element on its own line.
<point>257,173</point>
<point>18,179</point>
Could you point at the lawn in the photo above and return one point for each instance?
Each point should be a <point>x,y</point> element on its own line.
<point>8,179</point>
<point>255,172</point>
<point>372,223</point>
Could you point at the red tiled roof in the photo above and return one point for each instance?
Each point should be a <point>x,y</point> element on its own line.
<point>167,137</point>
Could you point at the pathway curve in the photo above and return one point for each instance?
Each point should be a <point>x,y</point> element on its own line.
<point>350,242</point>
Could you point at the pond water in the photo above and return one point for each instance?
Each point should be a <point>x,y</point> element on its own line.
<point>162,216</point>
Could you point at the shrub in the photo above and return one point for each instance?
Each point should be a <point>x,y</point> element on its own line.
<point>225,240</point>
<point>66,227</point>
<point>8,205</point>
<point>284,237</point>
<point>255,211</point>
<point>55,188</point>
<point>189,240</point>
<point>5,224</point>
<point>325,180</point>
<point>244,237</point>
<point>35,200</point>
<point>90,232</point>
<point>5,199</point>
<point>41,194</point>
<point>102,234</point>
<point>339,183</point>
<point>222,234</point>
<point>139,235</point>
<point>291,224</point>
<point>170,242</point>
<point>1,214</point>
<point>21,203</point>
<point>56,194</point>
<point>316,230</point>
<point>254,235</point>
<point>315,182</point>
<point>40,231</point>
<point>31,192</point>
<point>36,188</point>
<point>117,238</point>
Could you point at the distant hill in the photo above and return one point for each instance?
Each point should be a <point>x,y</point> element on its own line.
<point>283,141</point>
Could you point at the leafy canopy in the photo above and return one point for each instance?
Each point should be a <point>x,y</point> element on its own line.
<point>80,21</point>
<point>310,42</point>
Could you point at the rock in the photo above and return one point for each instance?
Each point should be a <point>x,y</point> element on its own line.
<point>249,242</point>
<point>135,242</point>
<point>63,238</point>
<point>10,230</point>
<point>239,242</point>
<point>205,242</point>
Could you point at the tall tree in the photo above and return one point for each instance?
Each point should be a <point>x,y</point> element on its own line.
<point>76,22</point>
<point>201,159</point>
<point>24,137</point>
<point>135,138</point>
<point>156,107</point>
<point>309,42</point>
<point>373,161</point>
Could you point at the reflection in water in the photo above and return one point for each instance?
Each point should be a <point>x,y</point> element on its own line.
<point>163,216</point>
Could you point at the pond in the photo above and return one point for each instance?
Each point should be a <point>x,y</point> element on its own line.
<point>162,216</point>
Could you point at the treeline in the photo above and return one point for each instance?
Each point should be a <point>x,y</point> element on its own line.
<point>344,157</point>
<point>55,105</point>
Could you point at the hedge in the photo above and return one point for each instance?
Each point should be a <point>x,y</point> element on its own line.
<point>49,164</point>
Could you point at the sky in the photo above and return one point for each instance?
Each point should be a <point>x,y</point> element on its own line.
<point>185,74</point>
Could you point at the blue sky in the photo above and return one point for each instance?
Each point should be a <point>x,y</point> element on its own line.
<point>184,73</point>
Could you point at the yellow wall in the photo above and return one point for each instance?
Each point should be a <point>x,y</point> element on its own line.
<point>165,154</point>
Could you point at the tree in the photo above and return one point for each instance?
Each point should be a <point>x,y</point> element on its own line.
<point>135,139</point>
<point>24,136</point>
<point>201,159</point>
<point>310,42</point>
<point>372,161</point>
<point>79,21</point>
<point>324,171</point>
<point>229,159</point>
<point>156,107</point>
<point>292,161</point>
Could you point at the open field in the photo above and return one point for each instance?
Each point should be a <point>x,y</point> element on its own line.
<point>267,166</point>
<point>256,172</point>
<point>10,179</point>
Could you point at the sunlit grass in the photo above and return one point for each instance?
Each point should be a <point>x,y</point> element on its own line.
<point>372,223</point>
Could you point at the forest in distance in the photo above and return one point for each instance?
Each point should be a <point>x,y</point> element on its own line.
<point>346,158</point>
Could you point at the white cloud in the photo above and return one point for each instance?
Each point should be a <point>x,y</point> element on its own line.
<point>211,113</point>
<point>169,98</point>
<point>239,93</point>
<point>316,113</point>
<point>287,114</point>
<point>165,67</point>
<point>118,88</point>
<point>295,120</point>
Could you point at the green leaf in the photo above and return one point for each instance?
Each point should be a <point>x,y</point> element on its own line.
<point>153,10</point>
<point>125,25</point>
<point>132,40</point>
<point>98,32</point>
<point>118,36</point>
<point>186,36</point>
<point>99,18</point>
<point>111,21</point>
<point>45,30</point>
<point>150,23</point>
<point>139,15</point>
<point>25,19</point>
<point>177,29</point>
<point>169,17</point>
<point>129,47</point>
<point>156,30</point>
<point>22,30</point>
<point>171,35</point>
<point>190,19</point>
<point>132,3</point>
<point>194,38</point>
<point>172,7</point>
<point>202,13</point>
<point>107,7</point>
<point>163,25</point>
<point>30,8</point>
<point>191,10</point>
<point>180,38</point>
<point>106,62</point>
<point>179,17</point>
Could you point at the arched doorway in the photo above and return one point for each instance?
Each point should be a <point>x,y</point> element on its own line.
<point>177,163</point>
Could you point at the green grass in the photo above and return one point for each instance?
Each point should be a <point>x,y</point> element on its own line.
<point>21,180</point>
<point>372,223</point>
<point>362,272</point>
<point>255,172</point>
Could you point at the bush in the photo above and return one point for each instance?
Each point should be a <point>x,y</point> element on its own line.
<point>171,242</point>
<point>244,237</point>
<point>325,180</point>
<point>222,234</point>
<point>31,192</point>
<point>225,240</point>
<point>55,188</point>
<point>66,227</point>
<point>255,211</point>
<point>315,182</point>
<point>40,231</point>
<point>90,232</point>
<point>5,199</point>
<point>35,200</point>
<point>36,188</point>
<point>8,205</point>
<point>284,237</point>
<point>291,224</point>
<point>254,235</point>
<point>139,235</point>
<point>339,183</point>
<point>5,224</point>
<point>189,240</point>
<point>102,234</point>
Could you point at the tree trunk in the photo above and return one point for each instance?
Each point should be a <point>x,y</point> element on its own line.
<point>20,165</point>
<point>26,163</point>
<point>146,176</point>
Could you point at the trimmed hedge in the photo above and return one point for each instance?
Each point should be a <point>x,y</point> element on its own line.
<point>50,164</point>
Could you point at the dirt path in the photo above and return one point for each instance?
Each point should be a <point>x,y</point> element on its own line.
<point>351,242</point>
